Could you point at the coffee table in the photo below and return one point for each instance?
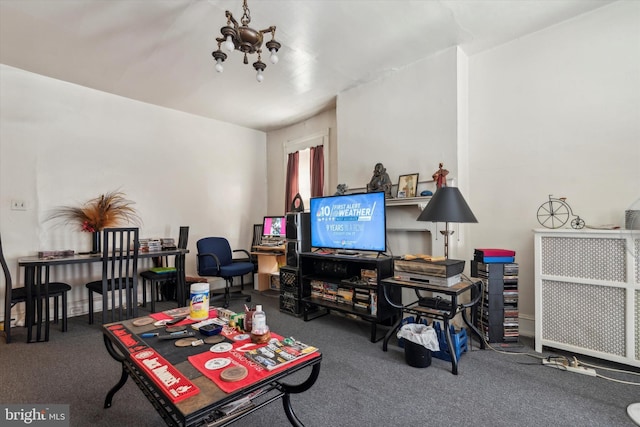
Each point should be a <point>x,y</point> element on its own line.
<point>168,379</point>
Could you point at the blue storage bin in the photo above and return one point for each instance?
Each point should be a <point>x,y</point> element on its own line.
<point>460,341</point>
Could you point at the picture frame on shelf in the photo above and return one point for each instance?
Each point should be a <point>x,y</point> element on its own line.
<point>407,185</point>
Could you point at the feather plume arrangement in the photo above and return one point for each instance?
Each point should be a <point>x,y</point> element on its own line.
<point>105,211</point>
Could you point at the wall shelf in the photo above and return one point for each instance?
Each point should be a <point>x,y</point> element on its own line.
<point>409,201</point>
<point>419,230</point>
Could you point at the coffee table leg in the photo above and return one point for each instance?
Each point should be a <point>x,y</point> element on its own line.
<point>114,390</point>
<point>123,377</point>
<point>293,419</point>
<point>287,389</point>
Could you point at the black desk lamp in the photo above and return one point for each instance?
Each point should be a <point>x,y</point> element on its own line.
<point>447,205</point>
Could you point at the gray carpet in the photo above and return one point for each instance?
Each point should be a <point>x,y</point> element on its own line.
<point>359,384</point>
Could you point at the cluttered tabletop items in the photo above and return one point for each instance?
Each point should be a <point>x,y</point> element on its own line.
<point>233,354</point>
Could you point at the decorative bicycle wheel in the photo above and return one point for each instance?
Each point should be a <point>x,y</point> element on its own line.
<point>553,214</point>
<point>577,223</point>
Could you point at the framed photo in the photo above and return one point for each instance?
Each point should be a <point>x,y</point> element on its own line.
<point>407,185</point>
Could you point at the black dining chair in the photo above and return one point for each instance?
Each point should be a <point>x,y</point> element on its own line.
<point>13,296</point>
<point>215,259</point>
<point>120,248</point>
<point>165,278</point>
<point>256,240</point>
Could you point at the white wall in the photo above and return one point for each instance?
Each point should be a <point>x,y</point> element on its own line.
<point>406,120</point>
<point>62,144</point>
<point>557,112</point>
<point>554,112</point>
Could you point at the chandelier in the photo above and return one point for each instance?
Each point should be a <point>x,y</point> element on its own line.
<point>246,40</point>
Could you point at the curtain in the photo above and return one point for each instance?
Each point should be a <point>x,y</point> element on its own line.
<point>291,186</point>
<point>317,171</point>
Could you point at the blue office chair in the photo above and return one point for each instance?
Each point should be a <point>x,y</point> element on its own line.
<point>215,259</point>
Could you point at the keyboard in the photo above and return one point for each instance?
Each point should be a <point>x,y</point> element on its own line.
<point>272,243</point>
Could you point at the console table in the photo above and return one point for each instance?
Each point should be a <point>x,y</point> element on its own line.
<point>443,309</point>
<point>161,373</point>
<point>37,272</point>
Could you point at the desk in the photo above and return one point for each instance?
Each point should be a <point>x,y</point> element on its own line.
<point>440,309</point>
<point>37,272</point>
<point>124,344</point>
<point>270,258</point>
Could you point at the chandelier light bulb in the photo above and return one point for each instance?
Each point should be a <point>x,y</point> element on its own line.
<point>219,67</point>
<point>259,76</point>
<point>229,44</point>
<point>274,57</point>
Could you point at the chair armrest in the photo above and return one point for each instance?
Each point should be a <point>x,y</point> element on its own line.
<point>209,255</point>
<point>248,256</point>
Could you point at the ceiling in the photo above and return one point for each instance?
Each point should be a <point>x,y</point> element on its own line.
<point>159,51</point>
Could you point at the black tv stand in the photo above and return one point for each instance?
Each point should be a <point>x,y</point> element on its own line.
<point>349,285</point>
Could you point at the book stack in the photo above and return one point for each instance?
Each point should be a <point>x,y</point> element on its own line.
<point>168,244</point>
<point>344,296</point>
<point>150,245</point>
<point>330,292</point>
<point>55,254</point>
<point>317,288</point>
<point>492,256</point>
<point>369,276</point>
<point>362,299</point>
<point>154,245</point>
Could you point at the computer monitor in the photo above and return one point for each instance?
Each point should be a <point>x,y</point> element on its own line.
<point>274,227</point>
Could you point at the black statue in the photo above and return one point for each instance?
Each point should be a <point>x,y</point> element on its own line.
<point>341,190</point>
<point>380,181</point>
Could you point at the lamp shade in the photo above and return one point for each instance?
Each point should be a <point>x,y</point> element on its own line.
<point>447,205</point>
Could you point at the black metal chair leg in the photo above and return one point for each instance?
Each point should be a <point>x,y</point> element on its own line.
<point>90,307</point>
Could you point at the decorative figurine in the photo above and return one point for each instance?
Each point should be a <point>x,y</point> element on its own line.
<point>380,181</point>
<point>341,190</point>
<point>296,204</point>
<point>440,177</point>
<point>556,212</point>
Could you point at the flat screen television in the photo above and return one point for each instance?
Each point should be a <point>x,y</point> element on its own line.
<point>351,222</point>
<point>274,227</point>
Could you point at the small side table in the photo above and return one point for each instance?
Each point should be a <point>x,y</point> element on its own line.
<point>443,309</point>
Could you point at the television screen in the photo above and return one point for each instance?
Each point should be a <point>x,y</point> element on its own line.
<point>273,226</point>
<point>351,222</point>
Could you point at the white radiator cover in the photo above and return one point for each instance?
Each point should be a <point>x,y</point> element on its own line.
<point>587,291</point>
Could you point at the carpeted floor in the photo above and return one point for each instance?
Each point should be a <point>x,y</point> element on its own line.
<point>359,384</point>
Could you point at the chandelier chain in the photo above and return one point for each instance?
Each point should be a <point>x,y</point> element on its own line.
<point>246,16</point>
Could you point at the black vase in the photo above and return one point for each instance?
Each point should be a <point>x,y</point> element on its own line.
<point>95,242</point>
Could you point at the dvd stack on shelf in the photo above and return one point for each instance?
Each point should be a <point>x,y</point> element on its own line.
<point>498,314</point>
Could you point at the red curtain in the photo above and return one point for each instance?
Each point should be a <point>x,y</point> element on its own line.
<point>317,171</point>
<point>291,185</point>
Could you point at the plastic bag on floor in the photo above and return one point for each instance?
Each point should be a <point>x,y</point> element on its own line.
<point>420,334</point>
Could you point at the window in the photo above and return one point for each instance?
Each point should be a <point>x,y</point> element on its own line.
<point>303,184</point>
